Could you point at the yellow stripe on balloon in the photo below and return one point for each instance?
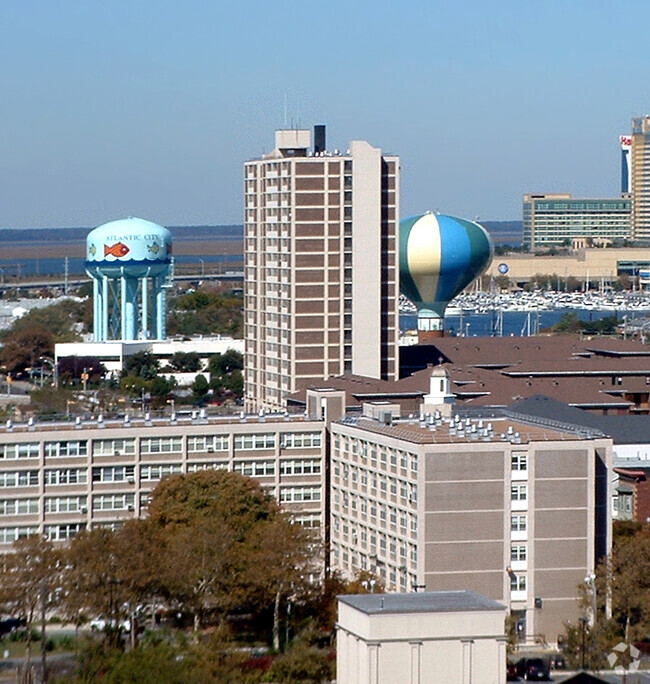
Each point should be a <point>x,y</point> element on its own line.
<point>424,252</point>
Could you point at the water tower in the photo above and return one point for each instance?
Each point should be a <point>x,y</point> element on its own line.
<point>439,257</point>
<point>129,261</point>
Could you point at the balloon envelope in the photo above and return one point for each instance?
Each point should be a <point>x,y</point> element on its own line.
<point>439,257</point>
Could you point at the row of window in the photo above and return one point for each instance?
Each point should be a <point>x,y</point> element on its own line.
<point>153,472</point>
<point>376,455</point>
<point>160,445</point>
<point>67,504</point>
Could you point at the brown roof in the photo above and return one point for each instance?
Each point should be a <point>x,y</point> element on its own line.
<point>597,374</point>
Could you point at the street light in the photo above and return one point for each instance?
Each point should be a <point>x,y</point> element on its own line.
<point>583,623</point>
<point>590,581</point>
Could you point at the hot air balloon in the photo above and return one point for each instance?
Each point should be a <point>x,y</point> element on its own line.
<point>439,257</point>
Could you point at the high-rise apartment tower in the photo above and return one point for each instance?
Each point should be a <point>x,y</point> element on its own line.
<point>640,185</point>
<point>321,266</point>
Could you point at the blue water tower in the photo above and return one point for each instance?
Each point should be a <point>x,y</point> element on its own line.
<point>129,261</point>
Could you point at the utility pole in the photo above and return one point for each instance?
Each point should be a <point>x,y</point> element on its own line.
<point>43,637</point>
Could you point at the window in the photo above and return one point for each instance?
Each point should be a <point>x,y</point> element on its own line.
<point>13,451</point>
<point>150,473</point>
<point>113,502</point>
<point>298,494</point>
<point>301,467</point>
<point>19,478</point>
<point>301,440</point>
<point>64,504</point>
<point>255,468</point>
<point>113,474</point>
<point>18,506</point>
<point>65,476</point>
<point>207,443</point>
<point>113,447</point>
<point>519,492</point>
<point>62,532</point>
<point>518,552</point>
<point>61,449</point>
<point>195,467</point>
<point>519,461</point>
<point>260,441</point>
<point>8,535</point>
<point>518,523</point>
<point>307,520</point>
<point>161,445</point>
<point>517,582</point>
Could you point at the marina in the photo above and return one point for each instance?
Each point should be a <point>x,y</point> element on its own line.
<point>523,313</point>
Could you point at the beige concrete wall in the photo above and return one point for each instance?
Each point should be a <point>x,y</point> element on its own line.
<point>592,263</point>
<point>420,648</point>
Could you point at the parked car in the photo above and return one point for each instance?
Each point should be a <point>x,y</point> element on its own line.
<point>99,625</point>
<point>511,672</point>
<point>533,669</point>
<point>11,625</point>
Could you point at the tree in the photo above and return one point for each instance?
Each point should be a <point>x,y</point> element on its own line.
<point>142,364</point>
<point>185,362</point>
<point>231,544</point>
<point>208,311</point>
<point>24,349</point>
<point>625,576</point>
<point>200,388</point>
<point>303,664</point>
<point>29,581</point>
<point>226,376</point>
<point>60,320</point>
<point>569,323</point>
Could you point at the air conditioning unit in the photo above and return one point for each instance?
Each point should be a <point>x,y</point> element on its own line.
<point>118,452</point>
<point>210,450</point>
<point>83,509</point>
<point>130,507</point>
<point>131,480</point>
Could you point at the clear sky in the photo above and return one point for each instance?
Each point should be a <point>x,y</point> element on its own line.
<point>111,108</point>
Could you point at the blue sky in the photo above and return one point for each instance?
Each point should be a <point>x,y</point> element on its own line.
<point>149,107</point>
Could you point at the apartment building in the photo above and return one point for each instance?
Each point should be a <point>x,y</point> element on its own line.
<point>321,271</point>
<point>56,479</point>
<point>514,510</point>
<point>549,220</point>
<point>640,178</point>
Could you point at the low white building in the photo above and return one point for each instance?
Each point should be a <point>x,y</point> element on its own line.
<point>114,352</point>
<point>455,637</point>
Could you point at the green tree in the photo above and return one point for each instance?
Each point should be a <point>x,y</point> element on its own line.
<point>303,664</point>
<point>569,323</point>
<point>143,364</point>
<point>200,388</point>
<point>226,374</point>
<point>185,362</point>
<point>60,320</point>
<point>208,311</point>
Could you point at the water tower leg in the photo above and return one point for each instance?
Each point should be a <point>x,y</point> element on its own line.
<point>161,309</point>
<point>144,297</point>
<point>97,310</point>
<point>129,308</point>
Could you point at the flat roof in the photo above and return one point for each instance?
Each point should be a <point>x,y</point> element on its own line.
<point>421,602</point>
<point>474,430</point>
